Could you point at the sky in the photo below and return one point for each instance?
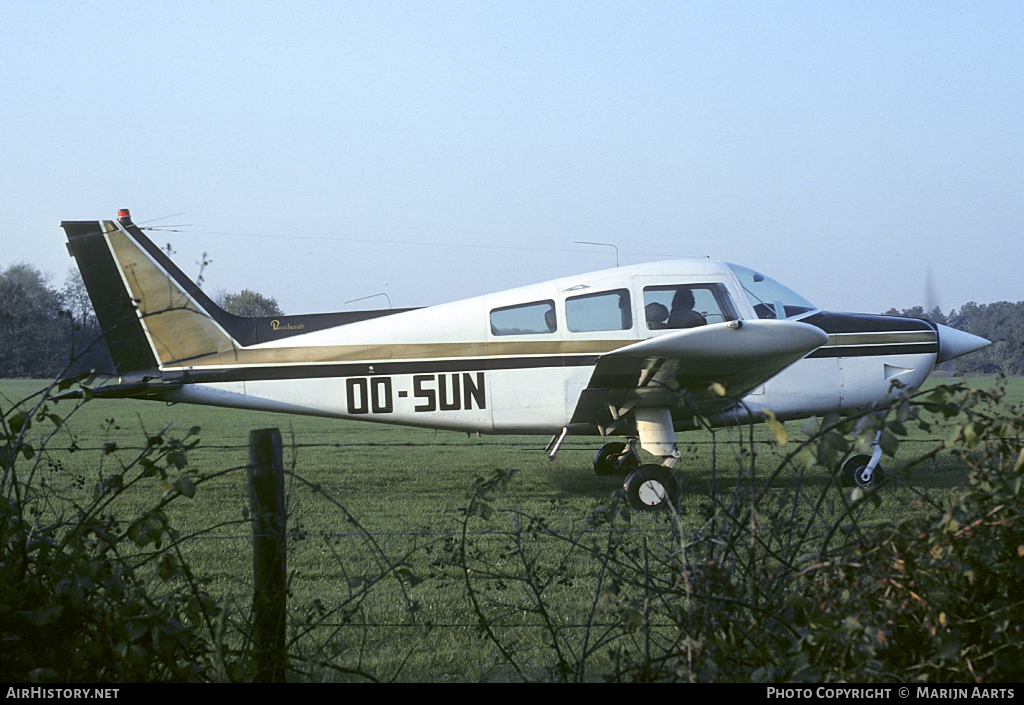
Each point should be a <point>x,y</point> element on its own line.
<point>867,154</point>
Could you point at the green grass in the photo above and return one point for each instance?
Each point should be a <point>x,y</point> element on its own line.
<point>407,489</point>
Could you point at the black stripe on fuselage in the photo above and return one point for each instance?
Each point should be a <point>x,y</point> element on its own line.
<point>864,335</point>
<point>362,369</point>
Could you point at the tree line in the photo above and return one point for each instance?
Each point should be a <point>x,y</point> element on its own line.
<point>44,329</point>
<point>1001,322</point>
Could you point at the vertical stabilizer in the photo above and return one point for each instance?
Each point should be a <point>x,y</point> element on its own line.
<point>150,313</point>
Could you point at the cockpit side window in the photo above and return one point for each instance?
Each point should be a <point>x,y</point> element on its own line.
<point>605,310</point>
<point>533,318</point>
<point>687,306</point>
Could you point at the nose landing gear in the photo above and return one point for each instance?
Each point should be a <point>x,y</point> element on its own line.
<point>864,471</point>
<point>859,471</point>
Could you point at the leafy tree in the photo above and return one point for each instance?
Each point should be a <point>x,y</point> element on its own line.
<point>88,348</point>
<point>1001,322</point>
<point>49,332</point>
<point>76,300</point>
<point>33,324</point>
<point>935,315</point>
<point>249,303</point>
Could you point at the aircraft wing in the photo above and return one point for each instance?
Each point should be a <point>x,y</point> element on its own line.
<point>662,371</point>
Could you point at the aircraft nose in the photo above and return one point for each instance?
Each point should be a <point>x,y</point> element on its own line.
<point>954,343</point>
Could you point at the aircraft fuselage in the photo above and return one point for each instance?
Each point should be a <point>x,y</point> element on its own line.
<point>643,346</point>
<point>392,369</point>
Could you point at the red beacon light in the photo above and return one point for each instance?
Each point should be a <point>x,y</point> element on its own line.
<point>123,213</point>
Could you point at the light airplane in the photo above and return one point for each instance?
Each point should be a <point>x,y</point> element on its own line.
<point>635,352</point>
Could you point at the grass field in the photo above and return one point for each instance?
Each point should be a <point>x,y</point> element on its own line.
<point>407,489</point>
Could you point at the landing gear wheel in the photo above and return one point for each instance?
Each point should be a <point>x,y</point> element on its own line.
<point>855,473</point>
<point>650,487</point>
<point>608,462</point>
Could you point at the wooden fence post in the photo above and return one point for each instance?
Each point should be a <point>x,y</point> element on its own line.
<point>265,474</point>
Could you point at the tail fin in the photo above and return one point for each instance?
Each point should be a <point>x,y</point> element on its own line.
<point>150,313</point>
<point>153,316</point>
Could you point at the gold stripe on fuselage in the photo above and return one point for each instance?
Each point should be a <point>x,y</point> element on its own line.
<point>882,338</point>
<point>325,354</point>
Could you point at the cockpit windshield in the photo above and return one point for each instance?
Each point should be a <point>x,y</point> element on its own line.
<point>769,298</point>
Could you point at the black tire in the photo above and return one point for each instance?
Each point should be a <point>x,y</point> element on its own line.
<point>852,473</point>
<point>607,462</point>
<point>650,487</point>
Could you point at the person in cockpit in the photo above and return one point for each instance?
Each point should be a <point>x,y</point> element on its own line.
<point>656,315</point>
<point>683,315</point>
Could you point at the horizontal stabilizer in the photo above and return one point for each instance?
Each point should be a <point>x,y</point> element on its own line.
<point>152,391</point>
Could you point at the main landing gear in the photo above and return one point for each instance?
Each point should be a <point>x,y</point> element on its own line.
<point>651,487</point>
<point>616,459</point>
<point>647,487</point>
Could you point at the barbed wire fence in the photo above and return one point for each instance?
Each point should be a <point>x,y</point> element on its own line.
<point>378,575</point>
<point>364,581</point>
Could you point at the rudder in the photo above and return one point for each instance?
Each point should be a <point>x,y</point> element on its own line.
<point>151,315</point>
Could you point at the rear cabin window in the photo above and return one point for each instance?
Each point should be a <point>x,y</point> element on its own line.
<point>606,310</point>
<point>524,319</point>
<point>687,306</point>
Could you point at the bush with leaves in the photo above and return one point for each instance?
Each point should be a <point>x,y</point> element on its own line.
<point>76,601</point>
<point>938,598</point>
<point>761,592</point>
<point>89,595</point>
